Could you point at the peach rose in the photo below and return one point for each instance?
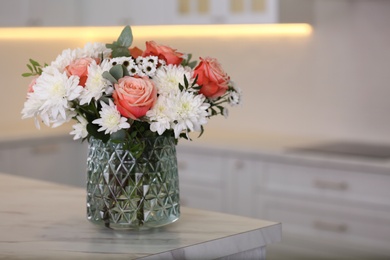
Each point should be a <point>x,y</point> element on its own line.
<point>134,96</point>
<point>79,67</point>
<point>211,77</point>
<point>171,56</point>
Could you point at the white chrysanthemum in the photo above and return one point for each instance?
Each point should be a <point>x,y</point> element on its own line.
<point>31,108</point>
<point>167,78</point>
<point>80,129</point>
<point>56,91</point>
<point>95,50</point>
<point>160,116</point>
<point>190,112</point>
<point>90,50</point>
<point>95,85</point>
<point>64,59</point>
<point>110,119</point>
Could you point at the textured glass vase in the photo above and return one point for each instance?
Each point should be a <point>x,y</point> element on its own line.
<point>133,184</point>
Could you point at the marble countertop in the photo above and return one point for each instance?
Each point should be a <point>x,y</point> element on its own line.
<point>42,220</point>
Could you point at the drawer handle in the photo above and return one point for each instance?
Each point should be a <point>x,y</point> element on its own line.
<point>327,226</point>
<point>331,185</point>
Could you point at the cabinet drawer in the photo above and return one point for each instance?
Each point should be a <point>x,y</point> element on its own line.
<point>201,169</point>
<point>201,197</point>
<point>326,222</point>
<point>328,183</point>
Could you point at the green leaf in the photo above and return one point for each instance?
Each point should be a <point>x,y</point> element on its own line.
<point>30,67</point>
<point>93,130</point>
<point>27,74</point>
<point>181,88</point>
<point>185,82</point>
<point>126,37</point>
<point>192,64</point>
<point>119,136</point>
<point>109,77</point>
<point>34,63</point>
<point>117,71</point>
<point>121,46</point>
<point>119,51</point>
<point>201,131</point>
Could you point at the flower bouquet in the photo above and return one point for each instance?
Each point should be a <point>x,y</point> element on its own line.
<point>132,106</point>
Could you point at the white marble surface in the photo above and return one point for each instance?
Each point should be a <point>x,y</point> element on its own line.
<point>42,220</point>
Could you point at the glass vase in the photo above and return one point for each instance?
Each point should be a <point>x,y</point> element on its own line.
<point>133,184</point>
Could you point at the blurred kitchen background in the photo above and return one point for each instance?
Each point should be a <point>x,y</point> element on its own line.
<point>309,147</point>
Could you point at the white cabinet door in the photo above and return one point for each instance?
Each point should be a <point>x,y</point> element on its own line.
<point>5,161</point>
<point>57,160</point>
<point>201,178</point>
<point>241,174</point>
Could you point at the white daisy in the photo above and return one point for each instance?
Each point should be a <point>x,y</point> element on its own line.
<point>80,129</point>
<point>151,59</point>
<point>160,116</point>
<point>148,68</point>
<point>95,85</point>
<point>110,119</point>
<point>235,96</point>
<point>126,61</point>
<point>168,78</point>
<point>190,112</point>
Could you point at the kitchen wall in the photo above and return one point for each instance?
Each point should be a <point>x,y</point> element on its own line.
<point>331,84</point>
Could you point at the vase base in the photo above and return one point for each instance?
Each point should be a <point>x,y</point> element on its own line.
<point>135,227</point>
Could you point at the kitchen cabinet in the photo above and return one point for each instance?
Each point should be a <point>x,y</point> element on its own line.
<point>40,13</point>
<point>56,159</point>
<point>328,210</point>
<point>152,12</point>
<point>325,205</point>
<point>202,182</point>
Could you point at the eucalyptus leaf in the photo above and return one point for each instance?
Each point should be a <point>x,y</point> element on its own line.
<point>109,77</point>
<point>192,64</point>
<point>117,71</point>
<point>126,37</point>
<point>120,51</point>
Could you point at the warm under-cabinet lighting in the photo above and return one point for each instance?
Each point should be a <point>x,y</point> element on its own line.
<point>179,31</point>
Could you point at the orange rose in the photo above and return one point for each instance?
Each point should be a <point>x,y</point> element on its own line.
<point>79,67</point>
<point>134,96</point>
<point>171,56</point>
<point>211,77</point>
<point>135,52</point>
